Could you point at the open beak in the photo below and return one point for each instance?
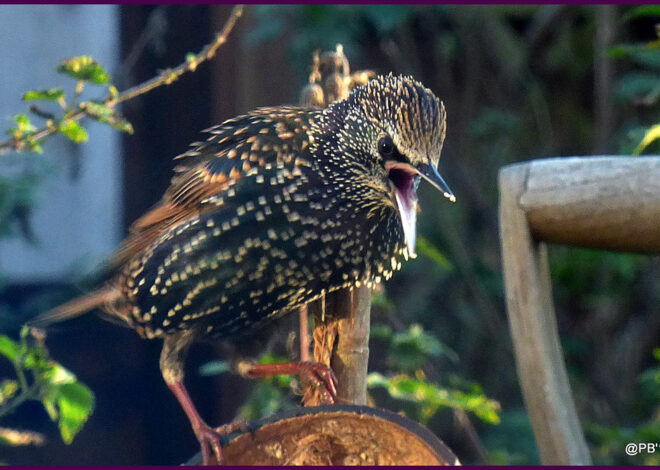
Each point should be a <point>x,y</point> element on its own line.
<point>404,178</point>
<point>430,174</point>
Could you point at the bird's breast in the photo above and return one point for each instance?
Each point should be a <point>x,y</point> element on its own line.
<point>278,240</point>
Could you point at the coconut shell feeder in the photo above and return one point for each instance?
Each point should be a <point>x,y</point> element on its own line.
<point>334,435</point>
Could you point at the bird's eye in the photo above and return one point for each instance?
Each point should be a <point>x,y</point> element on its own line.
<point>386,147</point>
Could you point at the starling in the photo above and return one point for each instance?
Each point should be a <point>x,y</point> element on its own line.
<point>273,210</point>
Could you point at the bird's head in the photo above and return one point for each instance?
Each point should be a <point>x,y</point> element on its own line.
<point>399,126</point>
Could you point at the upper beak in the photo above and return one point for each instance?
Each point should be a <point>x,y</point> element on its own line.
<point>430,174</point>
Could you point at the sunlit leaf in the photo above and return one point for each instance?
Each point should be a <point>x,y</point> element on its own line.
<point>8,389</point>
<point>652,134</point>
<point>642,11</point>
<point>75,403</point>
<point>9,348</point>
<point>72,130</point>
<point>54,94</point>
<point>432,397</point>
<point>84,68</point>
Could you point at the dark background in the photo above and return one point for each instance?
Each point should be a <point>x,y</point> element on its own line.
<point>518,82</point>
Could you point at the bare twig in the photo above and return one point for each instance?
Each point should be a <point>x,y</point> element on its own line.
<point>304,335</point>
<point>166,77</point>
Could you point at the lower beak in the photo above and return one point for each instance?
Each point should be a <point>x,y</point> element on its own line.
<point>430,174</point>
<point>406,196</point>
<point>406,202</point>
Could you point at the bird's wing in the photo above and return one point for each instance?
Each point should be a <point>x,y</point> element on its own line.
<point>264,137</point>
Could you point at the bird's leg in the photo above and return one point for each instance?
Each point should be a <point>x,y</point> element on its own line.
<point>172,358</point>
<point>319,374</point>
<point>209,439</point>
<point>304,335</point>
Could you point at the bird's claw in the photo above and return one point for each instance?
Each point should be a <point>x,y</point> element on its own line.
<point>323,377</point>
<point>209,441</point>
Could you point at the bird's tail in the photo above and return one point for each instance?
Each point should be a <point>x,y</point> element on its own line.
<point>75,308</point>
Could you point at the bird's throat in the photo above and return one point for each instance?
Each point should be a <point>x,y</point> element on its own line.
<point>403,182</point>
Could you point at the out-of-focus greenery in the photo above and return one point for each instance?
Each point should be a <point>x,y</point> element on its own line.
<point>67,401</point>
<point>519,82</point>
<point>407,355</point>
<point>86,71</point>
<point>610,441</point>
<point>641,85</point>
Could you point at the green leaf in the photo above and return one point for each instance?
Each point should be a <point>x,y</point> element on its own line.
<point>652,134</point>
<point>84,68</point>
<point>381,332</point>
<point>107,115</point>
<point>72,130</point>
<point>432,397</point>
<point>55,375</point>
<point>123,125</point>
<point>75,403</point>
<point>54,94</point>
<point>642,54</point>
<point>9,348</point>
<point>427,249</point>
<point>24,126</point>
<point>412,348</point>
<point>8,389</point>
<point>642,12</point>
<point>656,354</point>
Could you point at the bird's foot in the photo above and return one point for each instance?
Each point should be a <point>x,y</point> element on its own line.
<point>319,375</point>
<point>209,439</point>
<point>322,378</point>
<point>226,429</point>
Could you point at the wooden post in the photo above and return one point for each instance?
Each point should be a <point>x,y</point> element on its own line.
<point>598,202</point>
<point>342,318</point>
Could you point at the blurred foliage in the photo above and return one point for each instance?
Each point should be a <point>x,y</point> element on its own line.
<point>407,354</point>
<point>610,441</point>
<point>86,71</point>
<point>519,83</point>
<point>640,86</point>
<point>66,400</point>
<point>38,378</point>
<point>268,396</point>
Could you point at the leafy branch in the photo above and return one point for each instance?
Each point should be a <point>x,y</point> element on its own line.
<point>25,136</point>
<point>409,351</point>
<point>38,378</point>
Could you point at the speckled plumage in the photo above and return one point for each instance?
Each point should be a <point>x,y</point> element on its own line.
<point>275,209</point>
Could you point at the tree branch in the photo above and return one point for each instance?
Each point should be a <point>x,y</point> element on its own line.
<point>166,77</point>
